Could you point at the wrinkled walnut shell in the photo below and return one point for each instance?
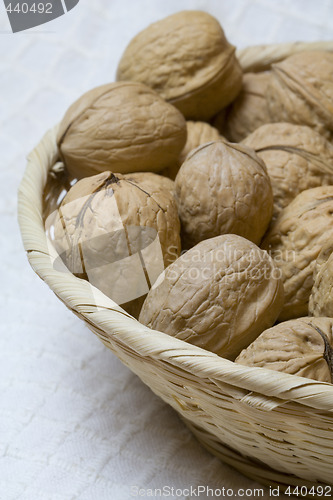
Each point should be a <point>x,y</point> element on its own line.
<point>123,126</point>
<point>302,347</point>
<point>223,188</point>
<point>186,58</point>
<point>248,111</point>
<point>198,133</point>
<point>297,158</point>
<point>301,90</point>
<point>321,298</point>
<point>119,232</point>
<point>295,240</point>
<point>220,296</point>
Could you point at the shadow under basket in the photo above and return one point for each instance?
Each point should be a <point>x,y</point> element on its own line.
<point>273,427</point>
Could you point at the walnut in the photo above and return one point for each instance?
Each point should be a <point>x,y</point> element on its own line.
<point>301,90</point>
<point>302,347</point>
<point>198,133</point>
<point>187,59</point>
<point>295,240</point>
<point>123,126</point>
<point>220,295</point>
<point>119,232</point>
<point>321,298</point>
<point>248,111</point>
<point>297,158</point>
<point>223,188</point>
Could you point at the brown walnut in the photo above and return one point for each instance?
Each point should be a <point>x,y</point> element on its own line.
<point>220,295</point>
<point>301,90</point>
<point>295,240</point>
<point>297,158</point>
<point>302,347</point>
<point>321,298</point>
<point>119,232</point>
<point>248,111</point>
<point>223,188</point>
<point>187,59</point>
<point>124,126</point>
<point>198,133</point>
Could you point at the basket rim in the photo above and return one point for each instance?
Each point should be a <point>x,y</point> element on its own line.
<point>112,321</point>
<point>261,57</point>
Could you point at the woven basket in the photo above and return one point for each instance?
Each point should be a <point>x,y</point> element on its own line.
<point>273,427</point>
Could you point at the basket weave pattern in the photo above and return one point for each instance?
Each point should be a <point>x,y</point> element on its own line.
<point>273,427</point>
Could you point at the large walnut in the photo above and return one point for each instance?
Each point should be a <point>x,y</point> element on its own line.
<point>123,126</point>
<point>297,158</point>
<point>301,90</point>
<point>223,188</point>
<point>186,58</point>
<point>198,133</point>
<point>295,240</point>
<point>220,295</point>
<point>119,232</point>
<point>302,347</point>
<point>321,298</point>
<point>248,111</point>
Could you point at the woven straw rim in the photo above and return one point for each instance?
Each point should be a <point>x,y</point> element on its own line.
<point>107,316</point>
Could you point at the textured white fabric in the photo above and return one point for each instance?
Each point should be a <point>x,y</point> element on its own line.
<point>74,422</point>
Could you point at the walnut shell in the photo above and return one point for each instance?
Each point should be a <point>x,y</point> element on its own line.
<point>297,158</point>
<point>198,133</point>
<point>220,295</point>
<point>125,126</point>
<point>248,111</point>
<point>186,58</point>
<point>119,232</point>
<point>295,240</point>
<point>321,298</point>
<point>223,188</point>
<point>301,90</point>
<point>302,347</point>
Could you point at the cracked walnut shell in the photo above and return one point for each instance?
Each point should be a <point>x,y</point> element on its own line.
<point>123,127</point>
<point>223,188</point>
<point>302,347</point>
<point>295,240</point>
<point>187,59</point>
<point>119,232</point>
<point>219,295</point>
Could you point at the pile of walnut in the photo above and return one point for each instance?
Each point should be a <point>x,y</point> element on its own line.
<point>153,172</point>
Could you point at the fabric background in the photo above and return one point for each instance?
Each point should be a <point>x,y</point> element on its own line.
<point>74,422</point>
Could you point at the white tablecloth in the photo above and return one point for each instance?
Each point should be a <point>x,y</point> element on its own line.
<point>74,422</point>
